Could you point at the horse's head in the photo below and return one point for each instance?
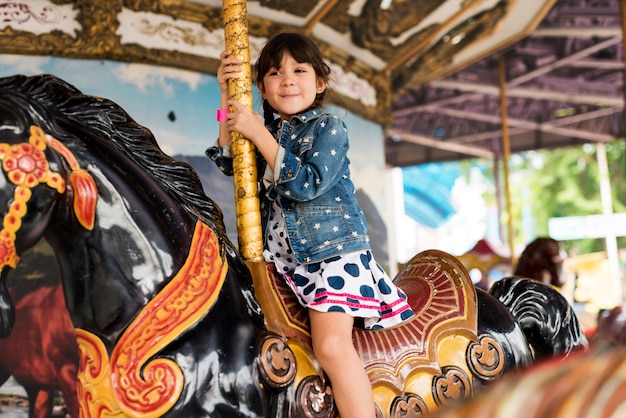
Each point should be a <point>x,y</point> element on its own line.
<point>32,181</point>
<point>139,217</point>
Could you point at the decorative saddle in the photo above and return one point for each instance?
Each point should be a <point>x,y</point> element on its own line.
<point>414,367</point>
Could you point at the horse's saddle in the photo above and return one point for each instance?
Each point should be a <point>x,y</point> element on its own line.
<point>422,363</point>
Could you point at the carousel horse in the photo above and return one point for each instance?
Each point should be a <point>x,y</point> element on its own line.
<point>589,384</point>
<point>171,322</point>
<point>586,385</point>
<point>542,260</point>
<point>41,352</point>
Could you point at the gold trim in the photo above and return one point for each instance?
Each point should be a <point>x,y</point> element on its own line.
<point>99,41</point>
<point>132,379</point>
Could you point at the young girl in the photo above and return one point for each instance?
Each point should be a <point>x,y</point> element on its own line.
<point>314,230</point>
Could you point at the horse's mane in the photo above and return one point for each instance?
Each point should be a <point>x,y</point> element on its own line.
<point>108,121</point>
<point>546,317</point>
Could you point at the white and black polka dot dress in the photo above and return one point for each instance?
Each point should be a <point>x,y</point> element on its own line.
<point>353,283</point>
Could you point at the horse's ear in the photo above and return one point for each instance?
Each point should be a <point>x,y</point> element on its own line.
<point>85,188</point>
<point>85,197</point>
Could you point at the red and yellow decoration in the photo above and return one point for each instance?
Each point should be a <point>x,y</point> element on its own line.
<point>429,361</point>
<point>85,189</point>
<point>26,166</point>
<point>131,382</point>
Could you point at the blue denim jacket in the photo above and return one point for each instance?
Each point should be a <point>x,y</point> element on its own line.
<point>312,181</point>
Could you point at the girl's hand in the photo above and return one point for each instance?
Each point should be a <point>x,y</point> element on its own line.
<point>251,126</point>
<point>229,69</point>
<point>245,122</point>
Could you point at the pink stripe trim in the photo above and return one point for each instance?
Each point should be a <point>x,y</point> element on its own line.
<point>396,313</point>
<point>345,295</point>
<point>376,307</point>
<point>342,302</point>
<point>366,299</point>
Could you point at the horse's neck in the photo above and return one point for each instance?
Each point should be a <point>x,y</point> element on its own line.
<point>111,271</point>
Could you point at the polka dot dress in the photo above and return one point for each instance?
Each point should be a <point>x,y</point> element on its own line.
<point>353,283</point>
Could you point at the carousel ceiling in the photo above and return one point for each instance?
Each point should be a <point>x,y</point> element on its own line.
<point>564,86</point>
<point>378,49</point>
<point>426,69</point>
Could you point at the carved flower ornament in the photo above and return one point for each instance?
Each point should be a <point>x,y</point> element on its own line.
<point>26,166</point>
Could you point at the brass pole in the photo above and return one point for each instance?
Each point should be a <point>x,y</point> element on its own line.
<point>245,171</point>
<point>622,6</point>
<point>317,17</point>
<point>247,209</point>
<point>506,152</point>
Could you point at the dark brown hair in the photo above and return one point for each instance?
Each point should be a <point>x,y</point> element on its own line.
<point>303,50</point>
<point>542,254</point>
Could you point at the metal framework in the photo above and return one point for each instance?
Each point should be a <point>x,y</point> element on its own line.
<point>564,87</point>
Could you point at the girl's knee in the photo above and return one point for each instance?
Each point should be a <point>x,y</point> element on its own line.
<point>331,335</point>
<point>329,348</point>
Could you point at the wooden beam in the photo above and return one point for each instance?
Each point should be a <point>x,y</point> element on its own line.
<point>574,32</point>
<point>528,93</point>
<point>506,154</point>
<point>319,15</point>
<point>439,144</point>
<point>528,125</point>
<point>496,133</point>
<point>481,89</point>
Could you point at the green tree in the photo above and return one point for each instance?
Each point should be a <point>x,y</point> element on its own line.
<point>566,182</point>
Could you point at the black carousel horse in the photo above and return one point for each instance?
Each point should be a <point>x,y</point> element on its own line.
<point>167,319</point>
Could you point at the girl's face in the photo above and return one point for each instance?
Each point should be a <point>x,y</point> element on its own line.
<point>291,88</point>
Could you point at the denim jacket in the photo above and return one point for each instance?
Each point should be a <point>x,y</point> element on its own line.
<point>312,181</point>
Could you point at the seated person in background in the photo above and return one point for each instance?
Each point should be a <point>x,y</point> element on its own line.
<point>542,260</point>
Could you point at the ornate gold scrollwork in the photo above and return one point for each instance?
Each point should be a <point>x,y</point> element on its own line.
<point>98,36</point>
<point>132,380</point>
<point>486,358</point>
<point>453,384</point>
<point>277,362</point>
<point>314,399</point>
<point>408,406</point>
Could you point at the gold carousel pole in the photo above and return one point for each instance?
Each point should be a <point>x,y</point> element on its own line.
<point>244,156</point>
<point>506,148</point>
<point>622,7</point>
<point>247,208</point>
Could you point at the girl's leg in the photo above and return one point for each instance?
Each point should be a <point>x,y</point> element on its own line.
<point>331,333</point>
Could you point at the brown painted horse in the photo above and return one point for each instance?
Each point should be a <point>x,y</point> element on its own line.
<point>41,354</point>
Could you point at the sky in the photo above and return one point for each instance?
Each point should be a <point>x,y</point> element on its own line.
<point>146,92</point>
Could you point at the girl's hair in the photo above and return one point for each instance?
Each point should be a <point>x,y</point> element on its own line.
<point>303,50</point>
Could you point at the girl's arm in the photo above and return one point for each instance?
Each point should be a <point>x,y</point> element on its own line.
<point>242,120</point>
<point>228,69</point>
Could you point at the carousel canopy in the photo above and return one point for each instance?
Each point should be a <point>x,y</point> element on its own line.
<point>564,86</point>
<point>426,69</point>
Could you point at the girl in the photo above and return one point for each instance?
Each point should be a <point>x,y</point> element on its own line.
<point>314,231</point>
